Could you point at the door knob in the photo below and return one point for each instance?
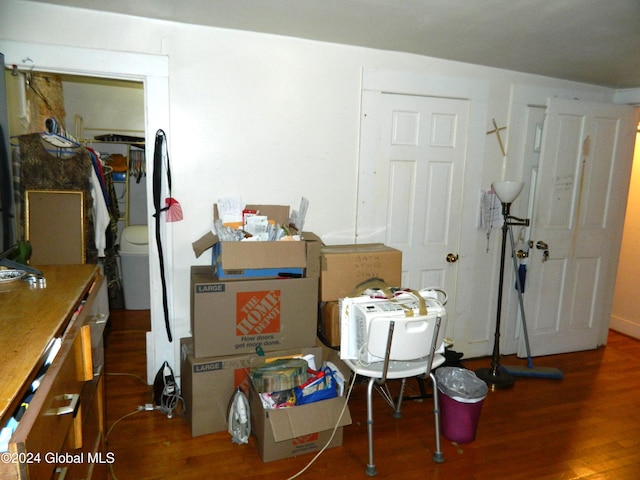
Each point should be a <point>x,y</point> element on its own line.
<point>540,245</point>
<point>452,258</point>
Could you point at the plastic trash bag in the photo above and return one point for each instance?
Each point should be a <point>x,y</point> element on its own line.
<point>461,384</point>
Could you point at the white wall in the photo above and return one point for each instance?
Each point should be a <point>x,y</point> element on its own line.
<point>625,314</point>
<point>267,117</point>
<point>106,106</point>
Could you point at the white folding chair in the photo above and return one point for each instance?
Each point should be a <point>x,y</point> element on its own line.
<point>407,348</point>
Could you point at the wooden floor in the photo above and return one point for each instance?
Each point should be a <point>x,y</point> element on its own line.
<point>585,426</point>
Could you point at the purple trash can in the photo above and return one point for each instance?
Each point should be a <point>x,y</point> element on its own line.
<point>461,395</point>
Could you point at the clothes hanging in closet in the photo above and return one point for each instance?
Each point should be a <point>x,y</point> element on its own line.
<point>36,168</point>
<point>110,263</point>
<point>100,211</point>
<point>42,170</point>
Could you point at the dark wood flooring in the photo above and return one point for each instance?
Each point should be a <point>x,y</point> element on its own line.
<point>585,426</point>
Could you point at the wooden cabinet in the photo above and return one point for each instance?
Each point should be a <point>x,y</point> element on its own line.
<point>61,434</point>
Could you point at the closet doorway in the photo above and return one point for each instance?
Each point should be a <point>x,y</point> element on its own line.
<point>153,72</point>
<point>107,117</point>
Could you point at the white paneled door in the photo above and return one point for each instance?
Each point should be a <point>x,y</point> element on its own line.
<point>410,191</point>
<point>577,224</point>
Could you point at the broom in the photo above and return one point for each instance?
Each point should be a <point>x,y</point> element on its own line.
<point>529,370</point>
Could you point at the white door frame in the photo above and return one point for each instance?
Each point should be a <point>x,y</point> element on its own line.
<point>153,71</point>
<point>473,341</point>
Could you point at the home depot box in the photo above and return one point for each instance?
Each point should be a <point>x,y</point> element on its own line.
<point>289,432</point>
<point>343,267</point>
<point>235,317</point>
<point>240,260</point>
<point>208,384</point>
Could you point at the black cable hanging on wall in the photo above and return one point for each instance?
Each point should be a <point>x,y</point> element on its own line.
<point>160,149</point>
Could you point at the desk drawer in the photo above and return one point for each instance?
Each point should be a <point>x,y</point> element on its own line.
<point>88,442</point>
<point>47,421</point>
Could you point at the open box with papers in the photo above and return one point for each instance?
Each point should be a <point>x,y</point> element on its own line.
<point>262,259</point>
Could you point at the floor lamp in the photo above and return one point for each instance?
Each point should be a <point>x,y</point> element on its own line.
<point>495,376</point>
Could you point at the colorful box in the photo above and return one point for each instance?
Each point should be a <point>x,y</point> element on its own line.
<point>240,316</point>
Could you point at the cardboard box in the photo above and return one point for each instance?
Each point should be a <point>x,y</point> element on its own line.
<point>235,317</point>
<point>259,273</point>
<point>343,267</point>
<point>238,260</point>
<point>314,248</point>
<point>289,432</point>
<point>208,384</point>
<point>330,327</point>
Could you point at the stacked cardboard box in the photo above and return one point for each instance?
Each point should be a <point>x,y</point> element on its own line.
<point>343,268</point>
<point>260,305</point>
<point>240,316</point>
<point>254,260</point>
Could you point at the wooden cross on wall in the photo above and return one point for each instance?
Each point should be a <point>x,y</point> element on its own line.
<point>496,130</point>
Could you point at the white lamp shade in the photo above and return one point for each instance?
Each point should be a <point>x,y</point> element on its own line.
<point>507,192</point>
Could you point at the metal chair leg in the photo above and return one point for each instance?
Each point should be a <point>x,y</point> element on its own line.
<point>371,468</point>
<point>437,455</point>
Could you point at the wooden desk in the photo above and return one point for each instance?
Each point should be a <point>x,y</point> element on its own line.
<point>72,307</point>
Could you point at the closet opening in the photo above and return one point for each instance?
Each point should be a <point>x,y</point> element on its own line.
<point>153,72</point>
<point>69,125</point>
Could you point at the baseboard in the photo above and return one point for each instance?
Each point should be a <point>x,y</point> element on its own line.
<point>625,326</point>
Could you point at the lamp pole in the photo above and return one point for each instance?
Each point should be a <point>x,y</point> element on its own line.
<point>495,376</point>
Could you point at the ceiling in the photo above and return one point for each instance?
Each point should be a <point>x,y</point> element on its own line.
<point>588,41</point>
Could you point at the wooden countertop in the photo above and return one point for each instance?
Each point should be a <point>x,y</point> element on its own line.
<point>30,318</point>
